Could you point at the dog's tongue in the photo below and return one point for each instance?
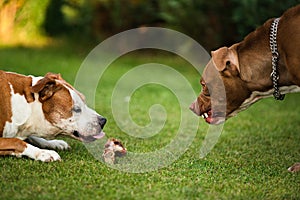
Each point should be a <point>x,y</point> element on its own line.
<point>209,120</point>
<point>99,136</point>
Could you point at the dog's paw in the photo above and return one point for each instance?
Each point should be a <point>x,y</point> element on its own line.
<point>294,168</point>
<point>43,155</point>
<point>47,156</point>
<point>58,144</point>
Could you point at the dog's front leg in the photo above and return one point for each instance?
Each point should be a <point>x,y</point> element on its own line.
<point>19,148</point>
<point>47,144</point>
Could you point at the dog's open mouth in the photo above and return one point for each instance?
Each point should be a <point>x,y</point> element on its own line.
<point>89,138</point>
<point>213,117</point>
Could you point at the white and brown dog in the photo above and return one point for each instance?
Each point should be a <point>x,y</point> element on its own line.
<point>35,109</point>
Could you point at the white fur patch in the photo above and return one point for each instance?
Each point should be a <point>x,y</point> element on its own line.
<point>40,154</point>
<point>256,95</point>
<point>20,113</point>
<point>36,124</point>
<point>35,79</point>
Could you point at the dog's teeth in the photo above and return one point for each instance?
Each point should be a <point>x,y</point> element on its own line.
<point>204,115</point>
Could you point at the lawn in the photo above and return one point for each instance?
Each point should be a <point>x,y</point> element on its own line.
<point>249,161</point>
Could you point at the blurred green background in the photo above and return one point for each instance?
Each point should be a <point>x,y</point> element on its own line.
<point>212,23</point>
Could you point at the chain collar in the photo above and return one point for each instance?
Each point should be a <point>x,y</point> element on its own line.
<point>275,57</point>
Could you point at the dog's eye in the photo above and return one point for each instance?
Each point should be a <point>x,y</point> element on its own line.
<point>77,109</point>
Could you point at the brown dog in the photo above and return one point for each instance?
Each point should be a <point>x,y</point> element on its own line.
<point>244,70</point>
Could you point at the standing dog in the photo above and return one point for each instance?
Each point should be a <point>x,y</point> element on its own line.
<point>40,108</point>
<point>245,69</point>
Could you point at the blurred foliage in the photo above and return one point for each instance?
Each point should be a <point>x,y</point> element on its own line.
<point>217,23</point>
<point>212,23</point>
<point>249,14</point>
<point>55,22</point>
<point>21,21</point>
<point>205,21</point>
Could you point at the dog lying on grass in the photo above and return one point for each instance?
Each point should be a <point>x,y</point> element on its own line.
<point>36,109</point>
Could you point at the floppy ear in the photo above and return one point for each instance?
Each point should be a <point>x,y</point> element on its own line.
<point>226,58</point>
<point>46,87</point>
<point>53,76</point>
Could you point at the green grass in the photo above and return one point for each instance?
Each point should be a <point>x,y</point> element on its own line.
<point>249,161</point>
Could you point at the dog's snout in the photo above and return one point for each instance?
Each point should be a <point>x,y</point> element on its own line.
<point>192,106</point>
<point>195,107</point>
<point>102,121</point>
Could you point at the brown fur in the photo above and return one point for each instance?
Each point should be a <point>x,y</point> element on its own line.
<point>5,111</point>
<point>21,85</point>
<point>245,68</point>
<point>53,95</point>
<point>9,146</point>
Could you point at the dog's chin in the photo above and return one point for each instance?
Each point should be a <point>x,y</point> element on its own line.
<point>88,138</point>
<point>214,118</point>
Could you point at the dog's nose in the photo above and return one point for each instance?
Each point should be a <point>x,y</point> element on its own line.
<point>195,107</point>
<point>102,121</point>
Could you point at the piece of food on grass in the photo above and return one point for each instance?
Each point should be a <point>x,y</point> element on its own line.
<point>109,156</point>
<point>113,148</point>
<point>295,167</point>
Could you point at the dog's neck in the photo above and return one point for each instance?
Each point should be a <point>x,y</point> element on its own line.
<point>255,60</point>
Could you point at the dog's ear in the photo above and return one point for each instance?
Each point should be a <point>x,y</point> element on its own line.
<point>226,59</point>
<point>47,86</point>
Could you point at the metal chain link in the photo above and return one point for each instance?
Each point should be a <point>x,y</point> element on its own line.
<point>275,57</point>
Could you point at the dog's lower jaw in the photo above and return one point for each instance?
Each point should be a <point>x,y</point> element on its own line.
<point>89,138</point>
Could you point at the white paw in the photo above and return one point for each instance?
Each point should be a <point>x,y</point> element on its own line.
<point>47,156</point>
<point>59,144</point>
<point>43,155</point>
